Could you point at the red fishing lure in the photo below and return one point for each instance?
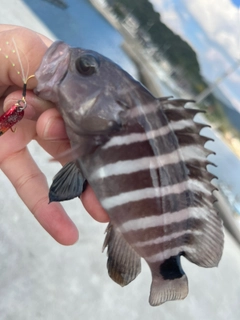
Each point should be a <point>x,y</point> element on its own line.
<point>15,113</point>
<point>11,117</point>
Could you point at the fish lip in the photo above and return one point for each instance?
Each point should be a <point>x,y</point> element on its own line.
<point>52,70</point>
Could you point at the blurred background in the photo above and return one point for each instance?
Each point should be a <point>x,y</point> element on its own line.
<point>188,49</point>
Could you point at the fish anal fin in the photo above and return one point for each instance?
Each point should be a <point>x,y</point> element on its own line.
<point>67,184</point>
<point>123,263</point>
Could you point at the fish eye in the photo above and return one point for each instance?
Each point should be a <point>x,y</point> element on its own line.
<point>87,65</point>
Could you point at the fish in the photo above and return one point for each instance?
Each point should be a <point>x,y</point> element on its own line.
<point>144,158</point>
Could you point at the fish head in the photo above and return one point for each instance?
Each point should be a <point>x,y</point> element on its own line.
<point>93,94</point>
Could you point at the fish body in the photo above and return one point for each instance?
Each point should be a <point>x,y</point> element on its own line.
<point>146,162</point>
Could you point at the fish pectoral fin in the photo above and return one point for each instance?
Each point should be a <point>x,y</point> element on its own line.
<point>67,184</point>
<point>123,264</point>
<point>163,290</point>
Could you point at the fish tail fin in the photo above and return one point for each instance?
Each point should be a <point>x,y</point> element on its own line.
<point>166,290</point>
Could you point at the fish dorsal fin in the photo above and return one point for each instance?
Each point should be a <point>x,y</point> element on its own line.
<point>209,245</point>
<point>187,131</point>
<point>175,110</point>
<point>67,184</point>
<point>123,262</point>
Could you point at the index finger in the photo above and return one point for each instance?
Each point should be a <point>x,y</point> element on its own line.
<point>31,186</point>
<point>20,46</point>
<point>21,54</point>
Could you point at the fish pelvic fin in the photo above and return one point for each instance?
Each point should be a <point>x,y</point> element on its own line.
<point>67,184</point>
<point>123,263</point>
<point>167,290</point>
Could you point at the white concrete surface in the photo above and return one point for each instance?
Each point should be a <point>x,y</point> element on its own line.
<point>40,279</point>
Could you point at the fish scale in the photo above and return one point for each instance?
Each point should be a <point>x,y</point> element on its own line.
<point>145,161</point>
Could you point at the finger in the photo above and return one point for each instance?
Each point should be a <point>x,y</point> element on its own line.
<point>14,142</point>
<point>6,27</point>
<point>32,187</point>
<point>13,70</point>
<point>51,135</point>
<point>35,105</point>
<point>3,89</point>
<point>93,206</point>
<point>50,126</point>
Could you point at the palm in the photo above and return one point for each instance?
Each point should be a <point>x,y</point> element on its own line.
<point>44,125</point>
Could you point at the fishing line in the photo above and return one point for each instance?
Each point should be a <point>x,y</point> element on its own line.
<point>16,112</point>
<point>24,77</point>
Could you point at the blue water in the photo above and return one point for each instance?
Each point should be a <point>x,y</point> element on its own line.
<point>81,25</point>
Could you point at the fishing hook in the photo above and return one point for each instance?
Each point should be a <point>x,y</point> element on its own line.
<point>15,113</point>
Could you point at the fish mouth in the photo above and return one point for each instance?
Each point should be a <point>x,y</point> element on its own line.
<point>52,70</point>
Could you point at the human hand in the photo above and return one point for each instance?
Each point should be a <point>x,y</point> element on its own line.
<point>43,123</point>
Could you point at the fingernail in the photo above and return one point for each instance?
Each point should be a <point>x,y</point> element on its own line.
<point>55,129</point>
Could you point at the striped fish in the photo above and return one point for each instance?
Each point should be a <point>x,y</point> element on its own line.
<point>146,162</point>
